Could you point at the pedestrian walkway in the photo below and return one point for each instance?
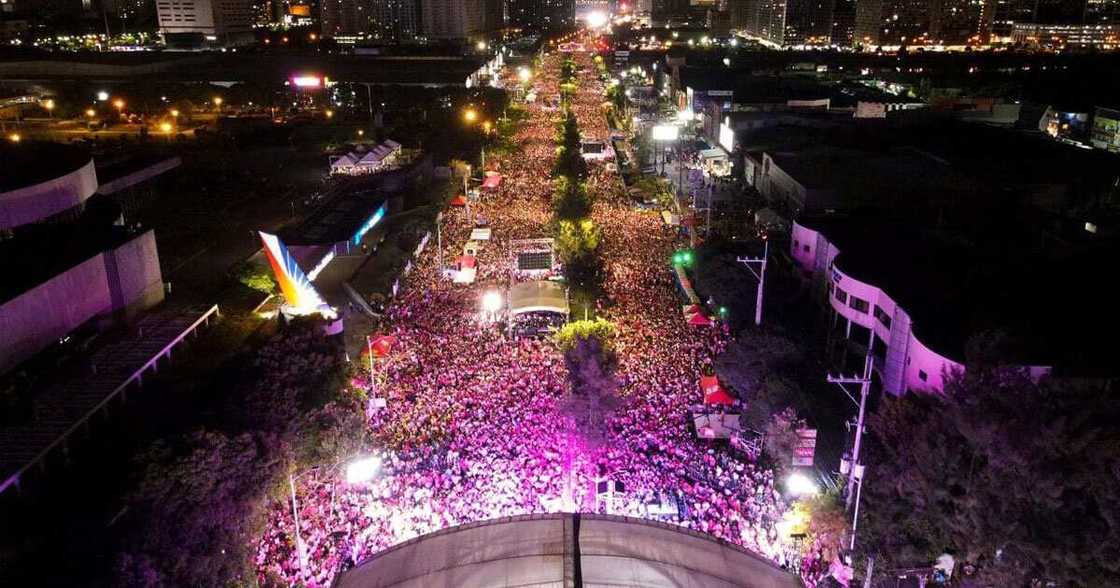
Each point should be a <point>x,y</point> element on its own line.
<point>61,410</point>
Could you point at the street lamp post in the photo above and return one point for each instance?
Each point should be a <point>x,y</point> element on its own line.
<point>467,190</point>
<point>301,552</point>
<point>359,470</point>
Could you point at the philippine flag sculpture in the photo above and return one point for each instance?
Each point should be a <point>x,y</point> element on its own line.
<point>299,293</point>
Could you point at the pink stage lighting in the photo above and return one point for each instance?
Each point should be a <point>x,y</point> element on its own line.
<point>307,81</point>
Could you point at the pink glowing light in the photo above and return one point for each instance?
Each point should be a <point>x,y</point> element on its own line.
<point>307,81</point>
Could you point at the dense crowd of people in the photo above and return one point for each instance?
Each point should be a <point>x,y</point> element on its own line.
<point>473,428</point>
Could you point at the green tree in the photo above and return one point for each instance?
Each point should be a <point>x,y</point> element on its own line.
<point>256,277</point>
<point>570,201</point>
<point>1015,476</point>
<point>762,368</point>
<point>578,246</point>
<point>569,160</point>
<point>200,505</point>
<point>589,356</point>
<point>599,329</point>
<point>576,239</point>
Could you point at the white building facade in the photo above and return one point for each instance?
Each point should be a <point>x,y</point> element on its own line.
<point>903,362</point>
<point>226,22</point>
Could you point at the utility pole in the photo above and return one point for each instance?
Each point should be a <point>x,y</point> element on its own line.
<point>301,552</point>
<point>467,191</point>
<point>369,99</point>
<point>760,275</point>
<point>855,469</point>
<point>708,230</point>
<point>369,352</point>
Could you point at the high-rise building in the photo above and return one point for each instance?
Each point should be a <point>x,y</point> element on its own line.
<point>262,13</point>
<point>583,8</point>
<point>663,12</point>
<point>131,10</point>
<point>738,10</point>
<point>395,20</point>
<point>340,18</point>
<point>789,22</point>
<point>1060,11</point>
<point>193,22</point>
<point>1102,12</point>
<point>958,22</point>
<point>843,22</point>
<point>541,15</point>
<point>891,22</point>
<point>808,22</point>
<point>719,22</point>
<point>1005,14</point>
<point>494,16</point>
<point>452,19</point>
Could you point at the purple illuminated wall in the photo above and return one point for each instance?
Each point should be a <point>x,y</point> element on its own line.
<point>908,363</point>
<point>120,281</point>
<point>43,200</point>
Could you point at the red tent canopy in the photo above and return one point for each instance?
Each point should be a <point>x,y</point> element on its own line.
<point>466,261</point>
<point>713,392</point>
<point>458,200</point>
<point>699,320</point>
<point>382,345</point>
<point>492,181</point>
<point>694,309</point>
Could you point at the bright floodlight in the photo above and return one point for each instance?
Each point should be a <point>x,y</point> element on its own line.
<point>665,132</point>
<point>362,470</point>
<point>492,302</point>
<point>524,74</point>
<point>596,19</point>
<point>102,96</point>
<point>798,484</point>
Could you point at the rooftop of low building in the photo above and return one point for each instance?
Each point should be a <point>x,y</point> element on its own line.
<point>29,163</point>
<point>1022,274</point>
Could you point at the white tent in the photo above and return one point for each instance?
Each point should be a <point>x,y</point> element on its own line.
<point>362,161</point>
<point>466,275</point>
<point>539,296</point>
<point>342,164</point>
